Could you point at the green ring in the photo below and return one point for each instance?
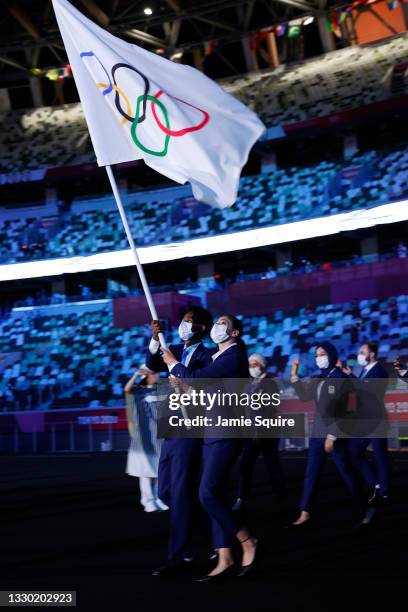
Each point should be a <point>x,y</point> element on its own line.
<point>133,128</point>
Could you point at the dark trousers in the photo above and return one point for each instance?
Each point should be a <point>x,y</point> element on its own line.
<point>316,461</point>
<point>269,447</point>
<point>179,469</point>
<point>372,473</point>
<point>219,457</point>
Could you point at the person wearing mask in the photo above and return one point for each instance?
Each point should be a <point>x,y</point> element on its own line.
<point>220,455</point>
<point>329,390</point>
<point>371,414</point>
<point>268,447</point>
<point>180,459</point>
<point>144,449</point>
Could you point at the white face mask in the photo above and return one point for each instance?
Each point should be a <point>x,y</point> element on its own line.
<point>322,362</point>
<point>255,372</point>
<point>185,330</point>
<point>362,359</point>
<point>219,333</point>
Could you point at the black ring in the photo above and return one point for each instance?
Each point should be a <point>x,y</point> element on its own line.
<point>117,96</point>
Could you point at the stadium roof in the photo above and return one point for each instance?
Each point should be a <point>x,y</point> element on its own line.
<point>29,36</point>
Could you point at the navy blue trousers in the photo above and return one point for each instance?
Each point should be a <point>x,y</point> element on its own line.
<point>316,461</point>
<point>179,473</point>
<point>373,474</point>
<point>219,457</point>
<point>269,447</point>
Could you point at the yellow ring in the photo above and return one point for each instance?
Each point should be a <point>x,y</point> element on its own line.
<point>116,88</point>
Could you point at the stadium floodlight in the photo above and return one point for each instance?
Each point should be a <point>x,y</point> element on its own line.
<point>308,20</point>
<point>296,22</point>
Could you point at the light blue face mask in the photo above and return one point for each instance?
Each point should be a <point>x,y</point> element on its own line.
<point>219,333</point>
<point>322,362</point>
<point>185,330</point>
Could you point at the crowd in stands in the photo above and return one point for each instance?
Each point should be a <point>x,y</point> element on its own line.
<point>341,80</point>
<point>80,359</point>
<point>273,197</point>
<point>45,137</point>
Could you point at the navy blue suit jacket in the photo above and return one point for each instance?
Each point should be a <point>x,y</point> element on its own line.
<point>371,414</point>
<point>232,363</point>
<point>331,401</point>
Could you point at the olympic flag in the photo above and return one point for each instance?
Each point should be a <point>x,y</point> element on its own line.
<point>139,105</point>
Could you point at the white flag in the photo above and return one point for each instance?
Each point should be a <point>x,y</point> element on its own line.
<point>139,105</point>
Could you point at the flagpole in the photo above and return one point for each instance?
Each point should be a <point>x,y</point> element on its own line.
<point>146,289</point>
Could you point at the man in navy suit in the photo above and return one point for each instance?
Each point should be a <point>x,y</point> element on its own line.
<point>371,420</point>
<point>180,459</point>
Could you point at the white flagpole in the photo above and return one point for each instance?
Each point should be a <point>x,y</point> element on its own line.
<point>139,266</point>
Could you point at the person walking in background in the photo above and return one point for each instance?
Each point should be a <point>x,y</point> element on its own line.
<point>329,391</point>
<point>371,418</point>
<point>144,450</point>
<point>268,447</point>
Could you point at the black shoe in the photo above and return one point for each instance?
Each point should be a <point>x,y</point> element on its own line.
<point>245,569</point>
<point>173,568</point>
<point>368,518</point>
<point>237,505</point>
<point>224,575</point>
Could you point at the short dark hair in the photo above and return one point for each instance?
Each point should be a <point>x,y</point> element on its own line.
<point>237,325</point>
<point>201,316</point>
<point>372,346</point>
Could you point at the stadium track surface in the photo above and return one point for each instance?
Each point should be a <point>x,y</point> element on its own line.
<point>74,522</point>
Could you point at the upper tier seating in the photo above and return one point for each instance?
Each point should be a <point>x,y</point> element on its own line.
<point>341,80</point>
<point>271,198</point>
<point>338,81</point>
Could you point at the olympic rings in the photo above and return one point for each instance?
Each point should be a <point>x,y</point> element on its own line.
<point>141,107</point>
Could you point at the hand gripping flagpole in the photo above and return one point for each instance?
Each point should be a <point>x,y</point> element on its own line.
<point>139,266</point>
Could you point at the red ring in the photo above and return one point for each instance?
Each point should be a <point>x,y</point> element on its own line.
<point>184,130</point>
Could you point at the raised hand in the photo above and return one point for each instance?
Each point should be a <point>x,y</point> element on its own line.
<point>295,366</point>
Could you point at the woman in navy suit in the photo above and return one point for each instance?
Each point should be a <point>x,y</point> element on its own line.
<point>219,456</point>
<point>330,392</point>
